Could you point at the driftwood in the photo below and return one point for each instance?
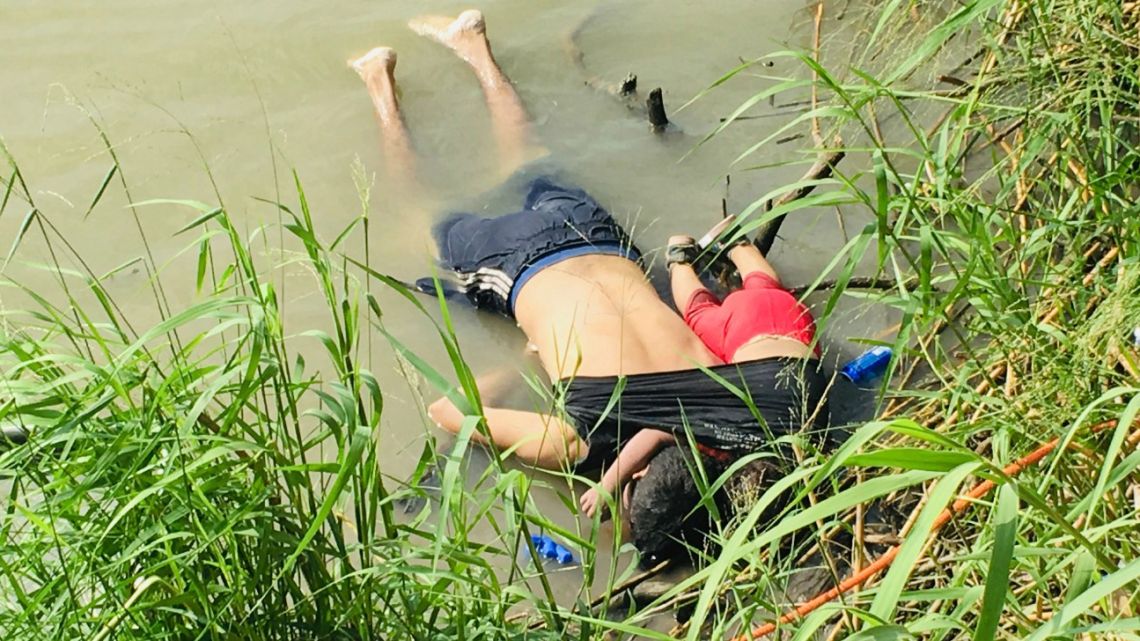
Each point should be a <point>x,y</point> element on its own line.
<point>628,87</point>
<point>626,91</point>
<point>658,121</point>
<point>653,109</point>
<point>618,596</point>
<point>823,167</point>
<point>857,282</point>
<point>825,162</point>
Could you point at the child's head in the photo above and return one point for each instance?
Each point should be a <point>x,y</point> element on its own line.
<point>664,516</point>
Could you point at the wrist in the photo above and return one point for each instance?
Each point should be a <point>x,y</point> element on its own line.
<point>609,480</point>
<point>680,254</point>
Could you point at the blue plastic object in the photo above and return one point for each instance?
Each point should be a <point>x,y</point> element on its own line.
<point>867,366</point>
<point>548,548</point>
<point>565,557</point>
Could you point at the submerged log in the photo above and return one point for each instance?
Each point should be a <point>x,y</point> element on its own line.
<point>628,86</point>
<point>655,105</point>
<point>626,90</point>
<point>653,108</point>
<point>855,282</point>
<point>823,167</point>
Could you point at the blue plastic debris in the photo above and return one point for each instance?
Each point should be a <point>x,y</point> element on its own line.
<point>867,366</point>
<point>548,548</point>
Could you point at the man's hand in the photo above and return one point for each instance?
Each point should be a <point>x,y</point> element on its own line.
<point>445,414</point>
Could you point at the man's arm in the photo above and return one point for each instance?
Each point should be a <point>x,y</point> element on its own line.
<point>632,458</point>
<point>537,439</point>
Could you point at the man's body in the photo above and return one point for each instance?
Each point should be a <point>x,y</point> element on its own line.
<point>598,315</point>
<point>628,373</point>
<point>590,315</point>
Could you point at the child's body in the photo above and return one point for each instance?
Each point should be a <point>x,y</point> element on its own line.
<point>760,320</point>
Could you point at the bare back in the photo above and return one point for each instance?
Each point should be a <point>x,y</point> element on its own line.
<point>598,316</point>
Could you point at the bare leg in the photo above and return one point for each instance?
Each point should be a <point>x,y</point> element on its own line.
<point>466,35</point>
<point>376,68</point>
<point>684,282</point>
<point>748,259</point>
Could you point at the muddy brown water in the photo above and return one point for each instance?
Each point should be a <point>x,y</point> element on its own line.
<point>255,90</point>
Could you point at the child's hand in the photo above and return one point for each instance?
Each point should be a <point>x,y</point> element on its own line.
<point>589,502</point>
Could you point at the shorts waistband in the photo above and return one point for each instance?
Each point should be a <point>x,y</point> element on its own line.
<point>555,257</point>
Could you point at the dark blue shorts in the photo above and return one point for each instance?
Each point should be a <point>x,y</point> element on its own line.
<point>493,257</point>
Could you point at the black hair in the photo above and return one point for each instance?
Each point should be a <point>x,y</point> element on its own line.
<point>665,514</point>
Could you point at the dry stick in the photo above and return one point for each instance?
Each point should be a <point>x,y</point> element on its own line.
<point>816,136</point>
<point>1009,21</point>
<point>1004,133</point>
<point>860,552</point>
<point>836,631</point>
<point>842,225</point>
<point>608,597</point>
<point>626,92</point>
<point>884,561</point>
<point>631,583</point>
<point>1086,281</point>
<point>1127,366</point>
<point>821,169</point>
<point>628,87</point>
<point>856,282</point>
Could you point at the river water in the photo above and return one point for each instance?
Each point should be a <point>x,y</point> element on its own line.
<point>254,90</point>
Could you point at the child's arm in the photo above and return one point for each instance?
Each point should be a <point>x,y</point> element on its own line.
<point>632,458</point>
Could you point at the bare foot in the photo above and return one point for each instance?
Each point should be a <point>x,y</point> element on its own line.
<point>380,59</point>
<point>458,34</point>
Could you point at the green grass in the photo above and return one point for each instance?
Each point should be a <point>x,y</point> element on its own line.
<point>198,479</point>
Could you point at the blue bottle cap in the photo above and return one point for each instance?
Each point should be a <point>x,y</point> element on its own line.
<point>549,549</point>
<point>564,556</point>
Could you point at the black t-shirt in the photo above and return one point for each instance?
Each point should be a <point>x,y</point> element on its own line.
<point>736,408</point>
